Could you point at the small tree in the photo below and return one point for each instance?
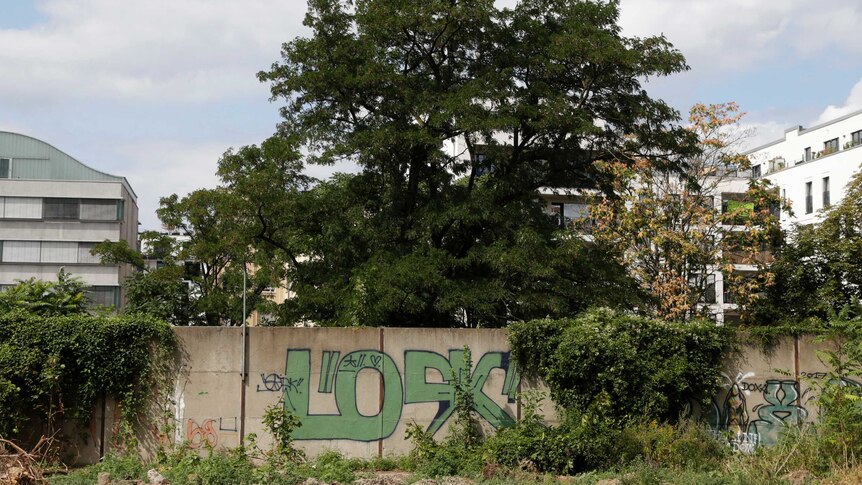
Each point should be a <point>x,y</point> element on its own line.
<point>668,229</point>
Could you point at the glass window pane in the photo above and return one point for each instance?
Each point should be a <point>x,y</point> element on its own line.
<point>99,210</point>
<point>23,208</point>
<point>61,209</point>
<point>103,295</point>
<point>59,252</point>
<point>84,255</point>
<point>21,251</point>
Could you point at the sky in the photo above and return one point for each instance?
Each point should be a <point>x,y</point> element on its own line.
<point>158,90</point>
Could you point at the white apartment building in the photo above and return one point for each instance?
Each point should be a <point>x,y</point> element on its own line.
<point>53,210</point>
<point>812,166</point>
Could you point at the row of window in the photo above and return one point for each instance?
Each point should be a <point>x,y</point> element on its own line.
<point>567,213</point>
<point>98,295</point>
<point>62,252</point>
<point>61,209</point>
<point>809,195</point>
<point>831,146</point>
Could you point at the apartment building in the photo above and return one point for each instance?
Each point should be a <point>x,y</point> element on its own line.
<point>53,210</point>
<point>812,166</point>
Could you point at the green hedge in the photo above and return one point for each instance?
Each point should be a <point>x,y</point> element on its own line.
<point>55,367</point>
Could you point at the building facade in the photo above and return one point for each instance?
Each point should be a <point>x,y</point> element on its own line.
<point>53,210</point>
<point>812,166</point>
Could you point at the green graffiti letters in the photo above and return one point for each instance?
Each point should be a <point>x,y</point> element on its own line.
<point>338,375</point>
<point>416,364</point>
<point>349,424</point>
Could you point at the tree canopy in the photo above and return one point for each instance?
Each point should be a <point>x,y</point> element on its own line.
<point>456,113</point>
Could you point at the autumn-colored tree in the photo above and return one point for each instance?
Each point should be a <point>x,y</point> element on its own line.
<point>674,232</point>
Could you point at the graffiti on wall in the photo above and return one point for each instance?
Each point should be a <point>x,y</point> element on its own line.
<point>338,376</point>
<point>201,435</point>
<point>748,426</point>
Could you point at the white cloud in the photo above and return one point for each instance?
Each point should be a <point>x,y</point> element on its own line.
<point>158,168</point>
<point>762,132</point>
<point>717,36</point>
<point>154,50</point>
<point>851,104</point>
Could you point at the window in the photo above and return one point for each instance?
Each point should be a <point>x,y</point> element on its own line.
<point>84,255</point>
<point>21,251</point>
<point>59,252</point>
<point>856,138</point>
<point>809,199</point>
<point>830,146</point>
<point>104,296</point>
<point>737,205</point>
<point>826,201</point>
<point>808,154</point>
<point>5,165</point>
<point>22,208</point>
<point>60,209</point>
<point>557,212</point>
<point>705,284</point>
<point>98,210</point>
<point>755,171</point>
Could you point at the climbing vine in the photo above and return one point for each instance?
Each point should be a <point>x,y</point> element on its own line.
<point>55,367</point>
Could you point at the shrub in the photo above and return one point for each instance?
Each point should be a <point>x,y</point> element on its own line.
<point>685,446</point>
<point>646,368</point>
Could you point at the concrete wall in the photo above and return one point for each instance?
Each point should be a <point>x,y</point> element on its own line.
<point>354,389</point>
<point>357,390</point>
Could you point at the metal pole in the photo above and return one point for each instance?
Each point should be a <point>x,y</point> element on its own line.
<point>244,357</point>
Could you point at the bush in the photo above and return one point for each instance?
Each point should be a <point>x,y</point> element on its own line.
<point>646,368</point>
<point>685,446</point>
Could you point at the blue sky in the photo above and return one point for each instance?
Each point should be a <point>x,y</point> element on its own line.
<point>158,90</point>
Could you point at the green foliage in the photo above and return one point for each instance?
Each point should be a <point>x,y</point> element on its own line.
<point>66,296</point>
<point>818,272</point>
<point>55,367</point>
<point>530,443</point>
<point>281,423</point>
<point>839,395</point>
<point>331,466</point>
<point>120,467</point>
<point>443,224</point>
<point>161,293</point>
<point>646,368</point>
<point>685,446</point>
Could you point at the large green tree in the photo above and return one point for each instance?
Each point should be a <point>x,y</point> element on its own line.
<point>456,112</point>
